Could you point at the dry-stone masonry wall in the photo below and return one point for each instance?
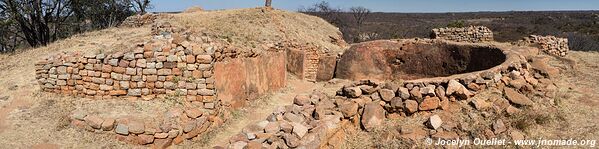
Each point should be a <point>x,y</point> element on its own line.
<point>308,123</point>
<point>548,44</point>
<point>140,20</point>
<point>150,69</point>
<point>465,34</point>
<point>311,62</point>
<point>175,65</point>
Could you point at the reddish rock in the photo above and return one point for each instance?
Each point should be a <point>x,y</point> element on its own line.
<point>190,59</point>
<point>386,94</point>
<point>193,113</point>
<point>108,124</point>
<point>136,127</point>
<point>499,127</point>
<point>480,104</point>
<point>204,59</point>
<point>372,116</point>
<point>349,109</point>
<point>162,143</point>
<point>178,139</point>
<point>517,98</point>
<point>429,103</point>
<point>353,92</point>
<point>161,135</point>
<point>145,139</point>
<point>302,99</point>
<point>411,106</point>
<point>94,121</point>
<point>455,87</point>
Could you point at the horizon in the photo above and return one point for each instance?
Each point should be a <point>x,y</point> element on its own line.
<point>391,6</point>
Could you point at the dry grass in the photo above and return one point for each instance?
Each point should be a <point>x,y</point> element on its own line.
<point>251,28</point>
<point>34,117</point>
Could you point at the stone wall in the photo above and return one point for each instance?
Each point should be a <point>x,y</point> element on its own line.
<point>465,34</point>
<point>312,119</point>
<point>548,44</point>
<point>247,78</point>
<point>151,69</point>
<point>311,63</point>
<point>139,20</point>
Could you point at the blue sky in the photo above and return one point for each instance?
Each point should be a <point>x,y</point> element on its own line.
<point>390,5</point>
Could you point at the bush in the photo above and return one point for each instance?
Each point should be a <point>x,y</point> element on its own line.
<point>580,42</point>
<point>457,24</point>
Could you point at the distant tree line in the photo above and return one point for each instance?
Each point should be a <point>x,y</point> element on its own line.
<point>350,24</point>
<point>34,23</point>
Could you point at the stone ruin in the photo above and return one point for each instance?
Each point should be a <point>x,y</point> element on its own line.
<point>139,20</point>
<point>465,34</point>
<point>175,62</point>
<point>392,77</point>
<point>549,44</point>
<point>313,119</point>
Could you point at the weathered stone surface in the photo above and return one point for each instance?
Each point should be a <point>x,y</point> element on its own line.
<point>435,122</point>
<point>372,116</point>
<point>134,92</point>
<point>301,100</point>
<point>293,117</point>
<point>411,106</point>
<point>386,94</point>
<point>108,124</point>
<point>517,98</point>
<point>272,127</point>
<point>193,113</point>
<point>499,127</point>
<point>136,127</point>
<point>480,104</point>
<point>122,129</point>
<point>457,88</point>
<point>162,143</point>
<point>404,93</point>
<point>353,92</point>
<point>430,103</point>
<point>416,94</point>
<point>299,129</point>
<point>94,121</point>
<point>349,109</point>
<point>145,139</point>
<point>204,59</point>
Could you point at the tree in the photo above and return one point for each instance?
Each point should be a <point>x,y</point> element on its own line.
<point>38,20</point>
<point>360,14</point>
<point>324,10</point>
<point>141,6</point>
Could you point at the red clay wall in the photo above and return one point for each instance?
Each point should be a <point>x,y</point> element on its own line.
<point>246,78</point>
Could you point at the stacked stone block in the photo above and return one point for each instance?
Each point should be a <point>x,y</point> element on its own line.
<point>311,63</point>
<point>172,68</point>
<point>312,119</point>
<point>140,20</point>
<point>548,44</point>
<point>175,126</point>
<point>466,34</point>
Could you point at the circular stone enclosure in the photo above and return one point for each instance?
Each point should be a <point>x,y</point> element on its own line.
<point>409,60</point>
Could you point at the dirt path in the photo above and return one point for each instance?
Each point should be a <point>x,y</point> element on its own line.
<point>263,107</point>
